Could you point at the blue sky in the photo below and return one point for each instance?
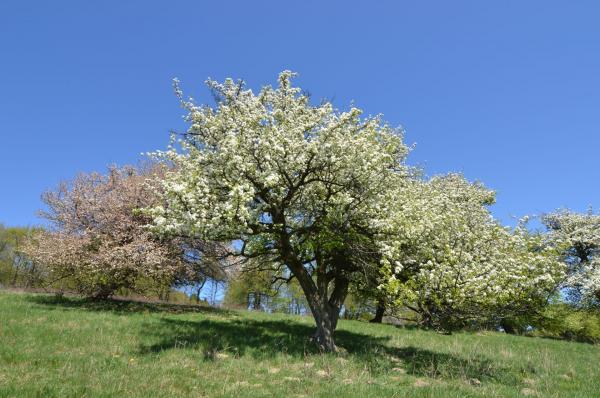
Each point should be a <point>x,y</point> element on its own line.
<point>506,92</point>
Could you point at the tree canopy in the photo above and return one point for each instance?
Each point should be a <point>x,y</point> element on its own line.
<point>327,194</point>
<point>450,261</point>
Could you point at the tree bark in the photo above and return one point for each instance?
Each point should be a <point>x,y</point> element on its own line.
<point>325,309</point>
<point>256,303</point>
<point>509,327</point>
<point>199,291</point>
<point>103,293</point>
<point>379,312</point>
<point>326,320</point>
<point>327,312</point>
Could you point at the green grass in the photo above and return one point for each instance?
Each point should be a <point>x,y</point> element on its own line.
<point>70,347</point>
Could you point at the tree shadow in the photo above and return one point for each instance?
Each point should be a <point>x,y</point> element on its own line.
<point>266,338</point>
<point>262,339</point>
<point>567,338</point>
<point>118,305</point>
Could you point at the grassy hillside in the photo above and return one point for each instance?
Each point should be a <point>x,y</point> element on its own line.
<point>53,347</point>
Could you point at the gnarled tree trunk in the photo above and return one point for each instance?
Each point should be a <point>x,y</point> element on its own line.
<point>325,307</point>
<point>326,311</point>
<point>326,321</point>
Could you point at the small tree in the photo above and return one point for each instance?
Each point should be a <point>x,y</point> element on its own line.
<point>250,288</point>
<point>577,237</point>
<point>99,240</point>
<point>297,184</point>
<point>448,260</point>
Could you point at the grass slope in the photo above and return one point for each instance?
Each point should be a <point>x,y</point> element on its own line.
<point>71,347</point>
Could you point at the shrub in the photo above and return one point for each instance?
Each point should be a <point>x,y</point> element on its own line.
<point>566,322</point>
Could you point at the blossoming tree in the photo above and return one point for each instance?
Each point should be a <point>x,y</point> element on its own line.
<point>98,239</point>
<point>293,183</point>
<point>327,195</point>
<point>448,260</point>
<point>577,236</point>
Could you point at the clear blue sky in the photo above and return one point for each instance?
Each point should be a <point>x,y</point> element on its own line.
<point>506,92</point>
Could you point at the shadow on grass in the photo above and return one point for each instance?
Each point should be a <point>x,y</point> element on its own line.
<point>121,305</point>
<point>266,338</point>
<point>263,339</point>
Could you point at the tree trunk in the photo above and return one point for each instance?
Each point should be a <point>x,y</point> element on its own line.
<point>508,326</point>
<point>326,320</point>
<point>325,309</point>
<point>199,291</point>
<point>15,276</point>
<point>32,278</point>
<point>326,313</point>
<point>379,312</point>
<point>256,303</point>
<point>103,293</point>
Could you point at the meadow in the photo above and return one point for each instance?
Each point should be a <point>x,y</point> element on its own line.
<point>72,347</point>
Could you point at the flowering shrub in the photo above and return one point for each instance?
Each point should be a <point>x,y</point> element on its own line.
<point>446,258</point>
<point>99,240</point>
